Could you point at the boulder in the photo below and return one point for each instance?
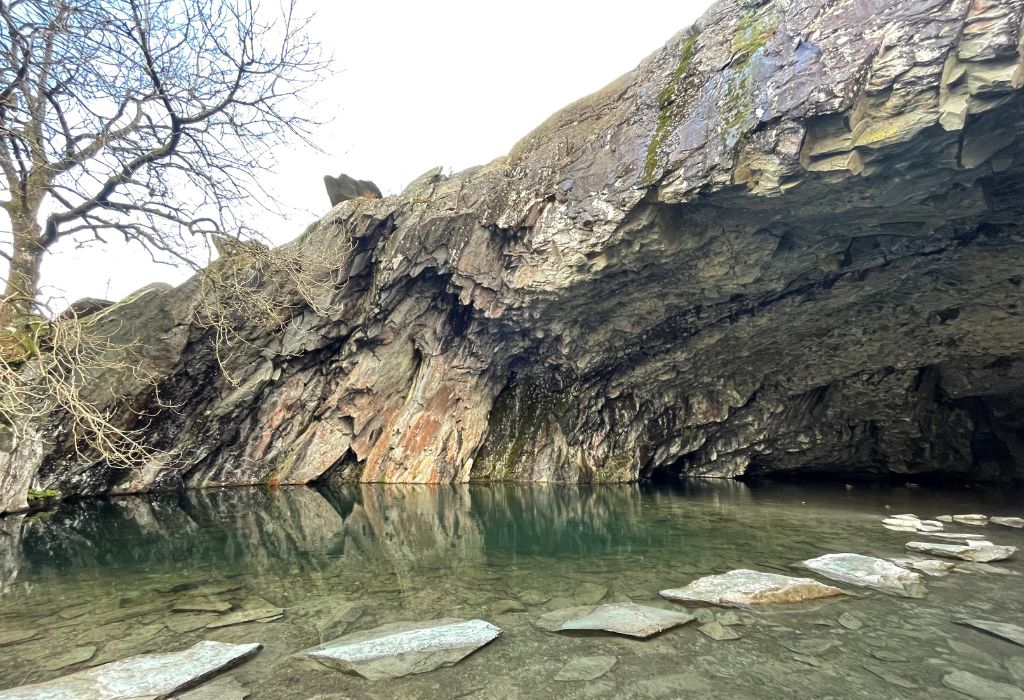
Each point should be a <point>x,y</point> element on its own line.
<point>343,188</point>
<point>746,587</point>
<point>869,572</point>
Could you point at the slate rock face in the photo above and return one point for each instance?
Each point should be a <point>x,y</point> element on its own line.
<point>787,242</point>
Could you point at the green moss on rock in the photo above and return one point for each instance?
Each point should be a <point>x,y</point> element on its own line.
<point>666,99</point>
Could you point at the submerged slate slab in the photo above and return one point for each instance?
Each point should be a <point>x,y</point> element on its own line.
<point>981,688</point>
<point>748,587</point>
<point>403,648</point>
<point>628,619</point>
<point>972,551</point>
<point>142,676</point>
<point>869,572</point>
<point>1012,633</point>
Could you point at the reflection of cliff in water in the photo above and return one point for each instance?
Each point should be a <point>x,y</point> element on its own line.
<point>351,531</point>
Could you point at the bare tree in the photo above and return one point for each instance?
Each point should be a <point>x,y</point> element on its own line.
<point>138,120</point>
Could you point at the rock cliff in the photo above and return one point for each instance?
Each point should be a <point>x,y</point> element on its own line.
<point>791,240</point>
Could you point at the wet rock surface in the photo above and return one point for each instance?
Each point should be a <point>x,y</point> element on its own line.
<point>107,573</point>
<point>870,572</point>
<point>789,241</point>
<point>746,587</point>
<point>1005,630</point>
<point>974,550</point>
<point>145,676</point>
<point>403,648</point>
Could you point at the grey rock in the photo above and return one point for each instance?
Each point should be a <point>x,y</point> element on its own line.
<point>729,618</point>
<point>889,656</point>
<point>402,648</point>
<point>586,668</point>
<point>850,621</point>
<point>627,619</point>
<point>718,632</point>
<point>889,676</point>
<point>1008,522</point>
<point>869,572</point>
<point>71,657</point>
<point>343,188</point>
<point>704,615</point>
<point>976,551</point>
<point>1005,630</point>
<point>981,688</point>
<point>971,519</point>
<point>143,676</point>
<point>508,606</point>
<point>932,567</point>
<point>16,636</point>
<point>534,597</point>
<point>747,587</point>
<point>590,593</point>
<point>809,646</point>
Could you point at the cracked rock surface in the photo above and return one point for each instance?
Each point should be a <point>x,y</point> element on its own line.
<point>789,241</point>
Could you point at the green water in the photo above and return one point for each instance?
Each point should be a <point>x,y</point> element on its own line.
<point>104,574</point>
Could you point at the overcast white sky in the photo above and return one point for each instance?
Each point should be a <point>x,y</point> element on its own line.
<point>452,83</point>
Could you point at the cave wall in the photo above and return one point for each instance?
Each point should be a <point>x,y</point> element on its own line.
<point>789,241</point>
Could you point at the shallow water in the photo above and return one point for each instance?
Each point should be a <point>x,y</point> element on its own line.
<point>106,573</point>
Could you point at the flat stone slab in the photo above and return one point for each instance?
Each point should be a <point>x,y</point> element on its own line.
<point>403,648</point>
<point>869,572</point>
<point>932,567</point>
<point>586,668</point>
<point>971,519</point>
<point>628,619</point>
<point>981,688</point>
<point>972,551</point>
<point>1008,522</point>
<point>142,676</point>
<point>957,536</point>
<point>8,637</point>
<point>1011,633</point>
<point>747,587</point>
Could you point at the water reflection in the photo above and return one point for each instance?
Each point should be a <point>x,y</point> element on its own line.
<point>108,573</point>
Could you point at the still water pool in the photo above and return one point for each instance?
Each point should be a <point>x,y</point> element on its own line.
<point>98,580</point>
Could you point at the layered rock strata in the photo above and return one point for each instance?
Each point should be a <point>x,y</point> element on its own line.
<point>790,241</point>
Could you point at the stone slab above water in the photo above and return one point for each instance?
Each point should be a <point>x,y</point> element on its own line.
<point>628,619</point>
<point>978,551</point>
<point>403,648</point>
<point>747,587</point>
<point>142,676</point>
<point>869,572</point>
<point>1008,522</point>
